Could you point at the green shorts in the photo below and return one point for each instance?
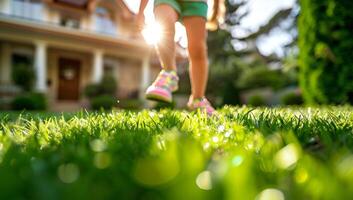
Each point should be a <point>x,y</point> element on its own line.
<point>186,8</point>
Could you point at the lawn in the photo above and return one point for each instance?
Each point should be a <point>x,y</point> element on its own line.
<point>245,153</point>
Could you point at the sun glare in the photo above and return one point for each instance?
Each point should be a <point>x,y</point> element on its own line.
<point>152,33</point>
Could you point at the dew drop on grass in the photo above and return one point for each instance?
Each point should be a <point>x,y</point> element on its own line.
<point>206,146</point>
<point>228,133</point>
<point>221,128</point>
<point>271,194</point>
<point>215,139</point>
<point>203,180</point>
<point>68,173</point>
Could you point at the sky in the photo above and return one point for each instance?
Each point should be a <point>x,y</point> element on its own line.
<point>260,11</point>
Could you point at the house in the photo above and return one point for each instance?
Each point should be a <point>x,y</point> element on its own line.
<point>72,43</point>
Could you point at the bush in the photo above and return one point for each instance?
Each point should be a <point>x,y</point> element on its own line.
<point>292,99</point>
<point>130,104</point>
<point>102,95</point>
<point>105,102</point>
<point>29,101</point>
<point>163,105</point>
<point>257,100</point>
<point>326,46</point>
<point>262,77</point>
<point>92,90</point>
<point>23,76</point>
<point>108,85</point>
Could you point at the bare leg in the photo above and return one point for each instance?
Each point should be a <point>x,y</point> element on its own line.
<point>166,16</point>
<point>197,47</point>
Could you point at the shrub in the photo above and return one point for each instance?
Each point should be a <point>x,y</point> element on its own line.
<point>29,101</point>
<point>262,77</point>
<point>292,99</point>
<point>92,90</point>
<point>105,102</point>
<point>23,76</point>
<point>108,85</point>
<point>102,95</point>
<point>163,105</point>
<point>326,46</point>
<point>130,104</point>
<point>257,100</point>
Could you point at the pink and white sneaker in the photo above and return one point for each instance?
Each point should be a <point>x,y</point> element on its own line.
<point>201,104</point>
<point>162,88</point>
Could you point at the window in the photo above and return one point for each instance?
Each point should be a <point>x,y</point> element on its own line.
<point>29,9</point>
<point>105,22</point>
<point>70,22</point>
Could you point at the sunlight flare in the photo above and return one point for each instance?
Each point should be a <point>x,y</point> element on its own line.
<point>152,33</point>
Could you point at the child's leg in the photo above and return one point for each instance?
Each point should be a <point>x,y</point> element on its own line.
<point>167,17</point>
<point>197,47</point>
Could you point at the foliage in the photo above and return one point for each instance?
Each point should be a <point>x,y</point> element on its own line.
<point>102,95</point>
<point>163,105</point>
<point>131,104</point>
<point>222,80</point>
<point>325,41</point>
<point>23,75</point>
<point>257,100</point>
<point>107,86</point>
<point>303,153</point>
<point>292,98</point>
<point>260,76</point>
<point>29,101</point>
<point>92,90</point>
<point>105,102</point>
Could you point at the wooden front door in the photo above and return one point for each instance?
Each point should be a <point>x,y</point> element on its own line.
<point>69,79</point>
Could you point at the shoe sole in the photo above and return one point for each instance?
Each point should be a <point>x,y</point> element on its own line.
<point>158,98</point>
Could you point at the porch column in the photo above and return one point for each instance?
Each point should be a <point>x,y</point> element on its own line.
<point>40,66</point>
<point>5,64</point>
<point>97,72</point>
<point>145,75</point>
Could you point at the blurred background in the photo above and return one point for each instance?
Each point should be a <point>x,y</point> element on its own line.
<point>64,55</point>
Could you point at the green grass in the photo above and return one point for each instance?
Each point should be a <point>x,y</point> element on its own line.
<point>268,154</point>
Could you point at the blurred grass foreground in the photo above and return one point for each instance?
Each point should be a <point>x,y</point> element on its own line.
<point>264,154</point>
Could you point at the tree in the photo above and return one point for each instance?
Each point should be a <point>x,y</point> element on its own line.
<point>326,46</point>
<point>229,65</point>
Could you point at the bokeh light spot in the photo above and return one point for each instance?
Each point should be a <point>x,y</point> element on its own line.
<point>206,146</point>
<point>287,157</point>
<point>221,128</point>
<point>271,194</point>
<point>228,133</point>
<point>301,176</point>
<point>98,145</point>
<point>102,160</point>
<point>237,160</point>
<point>215,139</point>
<point>68,173</point>
<point>345,167</point>
<point>203,180</point>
